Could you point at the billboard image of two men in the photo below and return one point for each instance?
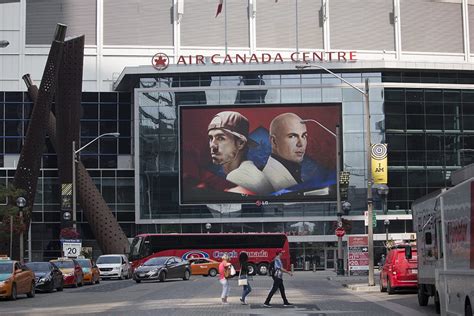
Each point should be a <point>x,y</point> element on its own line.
<point>257,153</point>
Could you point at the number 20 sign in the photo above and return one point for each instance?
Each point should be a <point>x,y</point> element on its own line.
<point>72,248</point>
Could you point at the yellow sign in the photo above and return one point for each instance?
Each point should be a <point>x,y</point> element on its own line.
<point>379,164</point>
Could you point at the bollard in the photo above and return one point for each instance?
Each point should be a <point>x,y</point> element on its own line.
<point>292,268</point>
<point>314,267</point>
<point>306,265</point>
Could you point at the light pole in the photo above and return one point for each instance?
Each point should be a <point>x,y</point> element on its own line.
<point>382,190</point>
<point>386,223</point>
<point>365,93</point>
<point>74,161</point>
<point>21,203</point>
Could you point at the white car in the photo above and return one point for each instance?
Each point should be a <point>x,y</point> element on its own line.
<point>114,266</point>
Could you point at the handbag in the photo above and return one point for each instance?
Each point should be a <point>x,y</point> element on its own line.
<point>242,279</point>
<point>232,270</point>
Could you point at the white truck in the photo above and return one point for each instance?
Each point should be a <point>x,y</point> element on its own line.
<point>444,228</point>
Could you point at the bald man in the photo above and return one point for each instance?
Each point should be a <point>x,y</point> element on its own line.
<point>288,138</point>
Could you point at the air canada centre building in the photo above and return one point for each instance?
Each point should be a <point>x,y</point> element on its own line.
<point>170,74</point>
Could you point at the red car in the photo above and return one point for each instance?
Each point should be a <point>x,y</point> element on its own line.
<point>400,270</point>
<point>72,271</point>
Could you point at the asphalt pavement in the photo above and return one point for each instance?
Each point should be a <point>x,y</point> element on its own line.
<point>312,293</point>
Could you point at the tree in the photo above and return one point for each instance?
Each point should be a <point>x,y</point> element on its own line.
<point>9,211</point>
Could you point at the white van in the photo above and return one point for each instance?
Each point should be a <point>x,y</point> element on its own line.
<point>114,266</point>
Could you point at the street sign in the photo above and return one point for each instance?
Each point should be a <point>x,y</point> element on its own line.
<point>358,255</point>
<point>340,232</point>
<point>71,247</point>
<point>374,219</point>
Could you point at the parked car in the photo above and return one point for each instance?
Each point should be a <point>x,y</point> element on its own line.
<point>162,268</point>
<point>48,277</point>
<point>400,270</point>
<point>114,266</point>
<point>72,271</point>
<point>90,270</point>
<point>15,279</point>
<point>204,266</point>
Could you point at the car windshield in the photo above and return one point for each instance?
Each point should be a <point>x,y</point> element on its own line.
<point>6,267</point>
<point>64,264</point>
<point>156,261</point>
<point>85,263</point>
<point>111,259</point>
<point>38,266</point>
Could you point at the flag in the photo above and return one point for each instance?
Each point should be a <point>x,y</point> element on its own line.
<point>219,7</point>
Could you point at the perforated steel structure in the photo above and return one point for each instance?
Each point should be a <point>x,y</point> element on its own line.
<point>68,78</point>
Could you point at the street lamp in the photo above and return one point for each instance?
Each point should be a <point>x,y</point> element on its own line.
<point>382,191</point>
<point>386,223</point>
<point>74,161</point>
<point>365,93</point>
<point>4,43</point>
<point>21,203</point>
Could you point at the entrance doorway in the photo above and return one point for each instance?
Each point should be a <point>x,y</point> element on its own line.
<point>330,255</point>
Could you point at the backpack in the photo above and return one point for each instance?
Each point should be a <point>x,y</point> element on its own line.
<point>271,268</point>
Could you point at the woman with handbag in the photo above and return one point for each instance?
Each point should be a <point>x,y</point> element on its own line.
<point>244,276</point>
<point>224,273</point>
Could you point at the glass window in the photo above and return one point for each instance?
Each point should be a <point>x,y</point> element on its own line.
<point>108,190</point>
<point>125,190</point>
<point>396,122</point>
<point>89,129</point>
<point>396,141</point>
<point>416,142</point>
<point>90,111</point>
<point>415,122</point>
<point>434,122</point>
<point>108,111</point>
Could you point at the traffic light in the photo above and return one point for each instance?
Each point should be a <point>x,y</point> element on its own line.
<point>344,177</point>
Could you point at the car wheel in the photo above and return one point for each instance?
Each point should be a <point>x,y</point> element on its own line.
<point>61,286</point>
<point>468,309</point>
<point>422,297</point>
<point>186,276</point>
<point>212,272</point>
<point>262,269</point>
<point>32,291</point>
<point>13,295</point>
<point>390,289</point>
<point>162,276</point>
<point>252,269</point>
<point>382,288</point>
<point>138,281</point>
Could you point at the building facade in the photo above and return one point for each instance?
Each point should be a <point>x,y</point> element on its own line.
<point>417,55</point>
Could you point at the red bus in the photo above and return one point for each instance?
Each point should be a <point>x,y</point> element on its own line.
<point>260,247</point>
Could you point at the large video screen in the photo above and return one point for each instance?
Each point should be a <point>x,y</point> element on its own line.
<point>258,154</point>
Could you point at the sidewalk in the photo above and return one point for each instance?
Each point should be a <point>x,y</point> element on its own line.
<point>356,282</point>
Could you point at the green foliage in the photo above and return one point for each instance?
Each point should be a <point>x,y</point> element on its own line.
<point>9,211</point>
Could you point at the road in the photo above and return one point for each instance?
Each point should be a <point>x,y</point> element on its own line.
<point>312,293</point>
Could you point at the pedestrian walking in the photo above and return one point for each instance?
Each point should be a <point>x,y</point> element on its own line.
<point>244,277</point>
<point>278,281</point>
<point>224,273</point>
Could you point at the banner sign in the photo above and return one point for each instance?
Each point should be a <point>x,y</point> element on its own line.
<point>358,255</point>
<point>379,164</point>
<point>258,154</point>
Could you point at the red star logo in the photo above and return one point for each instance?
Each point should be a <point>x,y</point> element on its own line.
<point>160,61</point>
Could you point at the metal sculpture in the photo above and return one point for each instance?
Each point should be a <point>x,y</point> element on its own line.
<point>104,225</point>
